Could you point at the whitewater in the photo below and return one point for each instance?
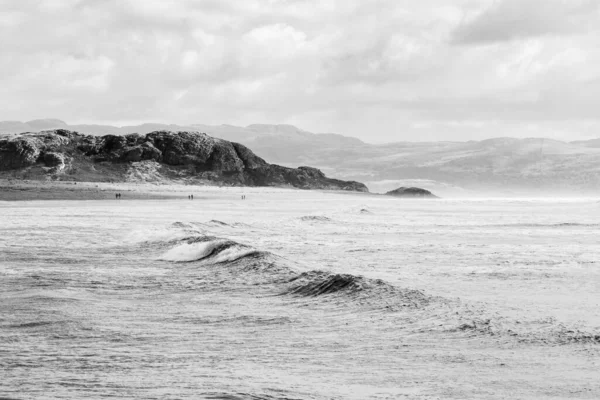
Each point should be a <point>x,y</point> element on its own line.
<point>300,295</point>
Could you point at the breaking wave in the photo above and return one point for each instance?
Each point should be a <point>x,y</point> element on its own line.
<point>161,237</point>
<point>237,266</point>
<point>240,264</point>
<point>540,332</point>
<point>208,247</point>
<point>317,283</point>
<point>371,291</point>
<point>315,218</point>
<point>215,223</point>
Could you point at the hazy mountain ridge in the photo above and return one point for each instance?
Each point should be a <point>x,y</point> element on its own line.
<point>499,164</point>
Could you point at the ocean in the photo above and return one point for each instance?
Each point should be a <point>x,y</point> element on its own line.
<point>300,295</point>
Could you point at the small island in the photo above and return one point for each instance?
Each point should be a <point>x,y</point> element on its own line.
<point>412,192</point>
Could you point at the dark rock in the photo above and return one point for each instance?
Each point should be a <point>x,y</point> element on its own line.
<point>225,159</point>
<point>182,148</point>
<point>133,154</point>
<point>18,152</point>
<point>52,159</point>
<point>150,152</point>
<point>411,192</point>
<point>249,159</point>
<point>186,154</point>
<point>145,151</point>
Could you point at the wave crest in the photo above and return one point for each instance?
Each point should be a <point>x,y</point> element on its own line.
<point>315,218</point>
<point>207,247</point>
<point>318,283</point>
<point>373,292</point>
<point>242,267</point>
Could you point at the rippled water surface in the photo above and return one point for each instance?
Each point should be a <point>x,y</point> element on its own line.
<point>300,295</point>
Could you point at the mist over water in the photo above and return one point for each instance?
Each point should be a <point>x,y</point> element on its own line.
<point>300,295</point>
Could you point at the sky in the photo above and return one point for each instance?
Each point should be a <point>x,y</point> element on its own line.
<point>379,70</point>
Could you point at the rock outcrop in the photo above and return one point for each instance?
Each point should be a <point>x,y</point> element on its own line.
<point>180,155</point>
<point>411,192</point>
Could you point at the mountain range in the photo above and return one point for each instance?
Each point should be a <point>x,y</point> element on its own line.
<point>500,165</point>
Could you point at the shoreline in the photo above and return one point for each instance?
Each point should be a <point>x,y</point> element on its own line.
<point>30,190</point>
<point>42,190</point>
<point>33,190</point>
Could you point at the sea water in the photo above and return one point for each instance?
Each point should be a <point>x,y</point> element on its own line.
<point>300,295</point>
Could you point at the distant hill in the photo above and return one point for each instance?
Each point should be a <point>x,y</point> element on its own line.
<point>588,143</point>
<point>500,165</point>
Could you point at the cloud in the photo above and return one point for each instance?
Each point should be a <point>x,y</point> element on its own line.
<point>378,69</point>
<point>506,20</point>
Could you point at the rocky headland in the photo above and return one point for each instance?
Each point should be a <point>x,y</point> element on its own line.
<point>411,192</point>
<point>161,156</point>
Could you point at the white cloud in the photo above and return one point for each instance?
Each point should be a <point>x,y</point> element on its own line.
<point>378,69</point>
<point>507,20</point>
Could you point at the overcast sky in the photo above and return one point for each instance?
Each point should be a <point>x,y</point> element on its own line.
<point>381,70</point>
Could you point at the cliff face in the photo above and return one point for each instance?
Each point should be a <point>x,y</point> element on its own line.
<point>191,156</point>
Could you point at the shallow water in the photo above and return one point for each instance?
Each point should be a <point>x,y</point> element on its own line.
<point>300,295</point>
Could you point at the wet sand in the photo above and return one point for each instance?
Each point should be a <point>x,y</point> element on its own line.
<point>31,190</point>
<point>27,190</point>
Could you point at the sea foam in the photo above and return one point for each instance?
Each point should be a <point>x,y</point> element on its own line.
<point>193,251</point>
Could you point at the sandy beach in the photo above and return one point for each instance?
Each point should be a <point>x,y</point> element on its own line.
<point>32,190</point>
<point>29,190</point>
